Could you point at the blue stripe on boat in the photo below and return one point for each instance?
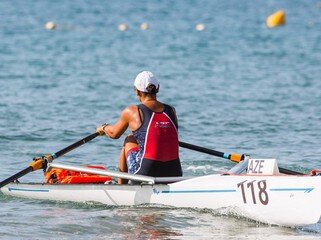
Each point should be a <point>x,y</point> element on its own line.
<point>27,190</point>
<point>306,190</point>
<point>199,191</point>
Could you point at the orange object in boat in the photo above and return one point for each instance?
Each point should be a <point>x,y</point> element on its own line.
<point>56,175</point>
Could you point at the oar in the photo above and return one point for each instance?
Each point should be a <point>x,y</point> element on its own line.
<point>231,156</point>
<point>38,163</point>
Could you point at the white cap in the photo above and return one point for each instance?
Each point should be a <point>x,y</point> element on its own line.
<point>144,79</point>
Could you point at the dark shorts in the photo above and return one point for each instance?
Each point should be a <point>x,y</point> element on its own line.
<point>160,169</point>
<point>136,165</point>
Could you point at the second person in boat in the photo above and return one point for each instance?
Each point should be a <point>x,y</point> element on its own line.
<point>153,147</point>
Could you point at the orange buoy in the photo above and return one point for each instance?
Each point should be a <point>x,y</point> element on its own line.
<point>276,19</point>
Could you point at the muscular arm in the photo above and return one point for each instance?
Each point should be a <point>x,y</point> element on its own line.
<point>116,130</point>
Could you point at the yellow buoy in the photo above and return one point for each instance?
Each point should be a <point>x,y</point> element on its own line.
<point>122,27</point>
<point>276,19</point>
<point>50,25</point>
<point>144,26</point>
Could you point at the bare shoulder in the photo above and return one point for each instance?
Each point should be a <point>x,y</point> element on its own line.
<point>129,111</point>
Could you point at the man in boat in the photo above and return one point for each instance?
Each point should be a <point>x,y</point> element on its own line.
<point>152,148</point>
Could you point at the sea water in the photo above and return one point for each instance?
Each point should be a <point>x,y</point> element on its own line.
<point>237,86</point>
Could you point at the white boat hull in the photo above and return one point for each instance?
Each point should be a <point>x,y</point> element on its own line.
<point>281,200</point>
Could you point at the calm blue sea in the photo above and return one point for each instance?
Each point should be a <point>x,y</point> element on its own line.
<point>237,86</point>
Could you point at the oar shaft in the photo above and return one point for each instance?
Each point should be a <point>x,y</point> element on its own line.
<point>233,157</point>
<point>74,145</point>
<point>201,149</point>
<point>38,164</point>
<point>290,172</point>
<point>16,176</point>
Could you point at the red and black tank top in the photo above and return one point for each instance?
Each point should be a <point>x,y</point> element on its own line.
<point>157,139</point>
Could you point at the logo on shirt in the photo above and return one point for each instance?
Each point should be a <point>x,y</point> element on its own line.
<point>163,124</point>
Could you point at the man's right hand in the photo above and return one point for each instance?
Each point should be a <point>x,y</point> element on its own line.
<point>100,129</point>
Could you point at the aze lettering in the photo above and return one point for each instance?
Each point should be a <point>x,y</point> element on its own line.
<point>256,166</point>
<point>254,189</point>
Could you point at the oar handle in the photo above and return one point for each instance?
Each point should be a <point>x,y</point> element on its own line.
<point>231,156</point>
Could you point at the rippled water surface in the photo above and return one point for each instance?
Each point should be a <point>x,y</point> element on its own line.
<point>237,87</point>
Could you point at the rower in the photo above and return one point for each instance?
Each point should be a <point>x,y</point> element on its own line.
<point>152,148</point>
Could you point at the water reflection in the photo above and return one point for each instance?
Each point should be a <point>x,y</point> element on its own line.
<point>151,225</point>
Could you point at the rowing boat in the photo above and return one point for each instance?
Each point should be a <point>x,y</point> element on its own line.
<point>260,193</point>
